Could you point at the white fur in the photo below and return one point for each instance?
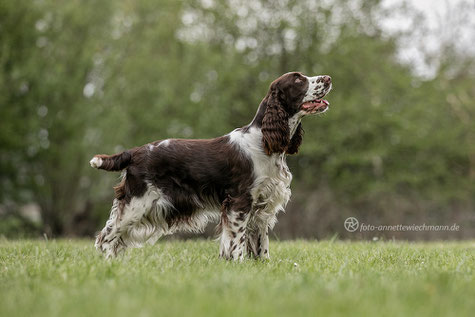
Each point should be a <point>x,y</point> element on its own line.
<point>233,245</point>
<point>126,225</point>
<point>143,220</point>
<point>294,122</point>
<point>316,89</point>
<point>166,142</point>
<point>271,187</point>
<point>96,162</point>
<point>258,236</point>
<point>197,223</point>
<point>150,223</point>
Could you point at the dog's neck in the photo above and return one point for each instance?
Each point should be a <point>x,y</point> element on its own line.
<point>257,121</point>
<point>294,122</point>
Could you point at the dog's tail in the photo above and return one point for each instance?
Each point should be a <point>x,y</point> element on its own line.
<point>115,162</point>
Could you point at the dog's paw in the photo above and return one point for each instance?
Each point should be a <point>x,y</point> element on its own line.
<point>96,162</point>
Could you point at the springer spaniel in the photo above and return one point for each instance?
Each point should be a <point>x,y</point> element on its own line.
<point>240,179</point>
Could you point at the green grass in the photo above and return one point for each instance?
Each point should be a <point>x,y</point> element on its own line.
<point>176,278</point>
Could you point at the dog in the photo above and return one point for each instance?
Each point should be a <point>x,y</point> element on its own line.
<point>240,179</point>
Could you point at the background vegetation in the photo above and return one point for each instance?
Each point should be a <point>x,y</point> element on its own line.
<point>79,78</point>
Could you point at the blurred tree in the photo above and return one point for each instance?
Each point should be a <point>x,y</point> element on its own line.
<point>47,56</point>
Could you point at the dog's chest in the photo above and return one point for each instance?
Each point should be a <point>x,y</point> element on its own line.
<point>271,190</point>
<point>271,187</point>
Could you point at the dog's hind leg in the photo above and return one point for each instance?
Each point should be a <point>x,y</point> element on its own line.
<point>125,216</point>
<point>101,243</point>
<point>151,226</point>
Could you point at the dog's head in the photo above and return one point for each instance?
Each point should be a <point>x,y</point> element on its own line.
<point>291,97</point>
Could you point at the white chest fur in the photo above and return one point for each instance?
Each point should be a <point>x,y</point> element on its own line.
<point>271,187</point>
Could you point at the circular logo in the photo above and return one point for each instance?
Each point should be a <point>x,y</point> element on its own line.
<point>351,224</point>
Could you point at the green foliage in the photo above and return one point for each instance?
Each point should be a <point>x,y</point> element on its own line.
<point>69,278</point>
<point>79,78</point>
<point>14,226</point>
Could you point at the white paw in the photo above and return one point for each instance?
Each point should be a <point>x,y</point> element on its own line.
<point>96,162</point>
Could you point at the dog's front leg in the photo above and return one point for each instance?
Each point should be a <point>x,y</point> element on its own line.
<point>233,235</point>
<point>257,242</point>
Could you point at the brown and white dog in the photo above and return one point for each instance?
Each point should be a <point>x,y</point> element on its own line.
<point>240,179</point>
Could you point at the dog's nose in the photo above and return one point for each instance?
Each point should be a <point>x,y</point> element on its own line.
<point>327,79</point>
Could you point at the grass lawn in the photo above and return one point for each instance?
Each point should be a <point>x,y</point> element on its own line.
<point>176,278</point>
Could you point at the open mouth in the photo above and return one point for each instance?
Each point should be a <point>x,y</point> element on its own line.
<point>315,106</point>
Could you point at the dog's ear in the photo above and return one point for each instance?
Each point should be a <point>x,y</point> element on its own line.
<point>296,140</point>
<point>275,126</point>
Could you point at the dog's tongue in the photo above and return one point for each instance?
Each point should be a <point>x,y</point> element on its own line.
<point>315,104</point>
